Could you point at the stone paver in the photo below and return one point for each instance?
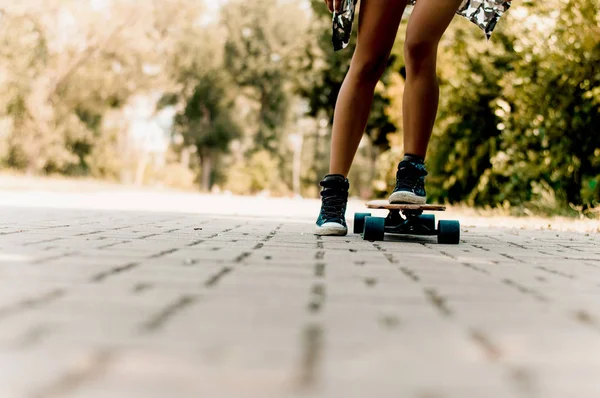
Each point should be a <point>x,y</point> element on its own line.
<point>134,304</point>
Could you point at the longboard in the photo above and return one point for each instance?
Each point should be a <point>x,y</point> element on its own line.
<point>407,219</point>
<point>384,204</point>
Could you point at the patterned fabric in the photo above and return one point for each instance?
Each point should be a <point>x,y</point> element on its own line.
<point>483,13</point>
<point>342,24</point>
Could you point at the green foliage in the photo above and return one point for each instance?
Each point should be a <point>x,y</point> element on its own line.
<point>58,84</point>
<point>207,120</point>
<point>262,35</point>
<point>551,128</point>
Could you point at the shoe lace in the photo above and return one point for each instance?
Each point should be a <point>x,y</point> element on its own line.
<point>334,200</point>
<point>333,205</point>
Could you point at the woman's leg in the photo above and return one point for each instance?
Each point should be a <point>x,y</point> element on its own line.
<point>377,30</point>
<point>427,24</point>
<point>378,22</point>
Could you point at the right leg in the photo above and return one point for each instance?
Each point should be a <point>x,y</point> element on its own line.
<point>378,22</point>
<point>377,30</point>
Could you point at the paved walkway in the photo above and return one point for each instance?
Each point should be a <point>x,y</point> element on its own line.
<point>110,303</point>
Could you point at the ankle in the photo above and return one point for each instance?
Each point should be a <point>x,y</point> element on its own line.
<point>414,158</point>
<point>333,175</point>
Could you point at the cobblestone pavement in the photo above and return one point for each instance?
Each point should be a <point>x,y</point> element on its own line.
<point>108,303</point>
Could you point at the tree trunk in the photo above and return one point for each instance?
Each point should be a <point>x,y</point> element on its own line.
<point>141,169</point>
<point>262,139</point>
<point>374,155</point>
<point>186,154</point>
<point>297,170</point>
<point>206,160</point>
<point>573,188</point>
<point>317,158</point>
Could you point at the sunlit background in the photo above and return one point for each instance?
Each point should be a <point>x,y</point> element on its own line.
<point>237,97</point>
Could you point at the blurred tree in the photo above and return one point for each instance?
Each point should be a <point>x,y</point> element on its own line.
<point>551,121</point>
<point>68,64</point>
<point>262,37</point>
<point>208,122</point>
<point>204,93</point>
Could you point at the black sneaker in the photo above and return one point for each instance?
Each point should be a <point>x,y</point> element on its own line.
<point>410,183</point>
<point>334,196</point>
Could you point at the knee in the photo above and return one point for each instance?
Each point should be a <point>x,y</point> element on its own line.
<point>368,69</point>
<point>419,54</point>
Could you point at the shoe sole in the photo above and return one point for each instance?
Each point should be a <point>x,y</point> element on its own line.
<point>407,197</point>
<point>331,229</point>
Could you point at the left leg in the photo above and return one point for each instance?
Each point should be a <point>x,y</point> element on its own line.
<point>427,24</point>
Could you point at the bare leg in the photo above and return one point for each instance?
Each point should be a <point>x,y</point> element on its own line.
<point>427,24</point>
<point>377,30</point>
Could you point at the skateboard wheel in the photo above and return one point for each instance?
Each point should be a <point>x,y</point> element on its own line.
<point>359,222</point>
<point>428,221</point>
<point>374,228</point>
<point>448,232</point>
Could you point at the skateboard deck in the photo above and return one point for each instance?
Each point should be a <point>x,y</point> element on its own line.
<point>384,204</point>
